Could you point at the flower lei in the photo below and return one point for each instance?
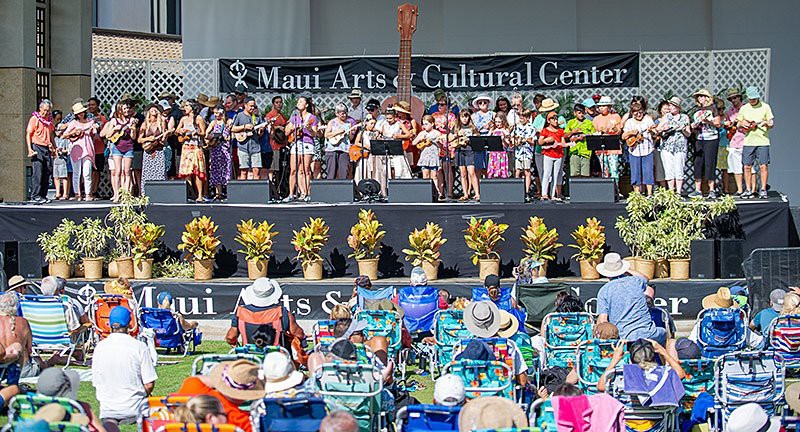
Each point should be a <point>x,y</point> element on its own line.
<point>46,122</point>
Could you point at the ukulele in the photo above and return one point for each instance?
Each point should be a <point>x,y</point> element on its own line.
<point>335,140</point>
<point>126,129</point>
<point>406,25</point>
<point>243,135</point>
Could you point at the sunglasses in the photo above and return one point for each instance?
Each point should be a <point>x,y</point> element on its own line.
<point>483,102</point>
<point>442,103</point>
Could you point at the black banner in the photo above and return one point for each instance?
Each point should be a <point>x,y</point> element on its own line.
<point>453,73</point>
<point>216,299</point>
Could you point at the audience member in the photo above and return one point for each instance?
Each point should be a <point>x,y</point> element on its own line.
<point>281,380</point>
<point>645,376</point>
<point>201,409</point>
<point>764,318</point>
<point>660,316</point>
<point>751,417</point>
<point>64,383</point>
<point>492,412</point>
<point>122,372</point>
<point>16,339</point>
<point>339,421</point>
<point>483,319</point>
<point>449,391</point>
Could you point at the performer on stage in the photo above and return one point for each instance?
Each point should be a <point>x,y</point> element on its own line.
<point>552,141</point>
<point>498,160</point>
<point>638,136</point>
<point>469,162</point>
<point>394,129</point>
<point>525,137</point>
<point>301,129</point>
<point>445,122</point>
<point>705,121</point>
<point>756,117</point>
<point>429,141</point>
<point>278,143</point>
<point>608,123</point>
<point>192,128</point>
<point>340,132</point>
<point>369,166</point>
<point>402,110</point>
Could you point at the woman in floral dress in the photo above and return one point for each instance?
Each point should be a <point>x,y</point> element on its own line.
<point>218,137</point>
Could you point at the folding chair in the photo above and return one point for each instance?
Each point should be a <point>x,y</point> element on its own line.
<point>24,407</point>
<point>203,364</point>
<point>168,331</point>
<point>259,352</point>
<point>448,329</point>
<point>287,415</point>
<point>368,296</point>
<point>420,304</point>
<point>160,411</point>
<point>563,332</point>
<point>386,324</point>
<point>592,357</point>
<point>48,321</point>
<point>52,426</point>
<point>197,427</point>
<point>422,418</point>
<point>699,378</point>
<point>99,312</point>
<point>784,338</point>
<point>355,388</point>
<point>323,333</point>
<point>484,378</point>
<point>722,331</point>
<point>747,377</point>
<point>637,417</point>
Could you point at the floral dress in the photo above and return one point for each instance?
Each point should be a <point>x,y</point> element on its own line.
<point>154,165</point>
<point>219,159</point>
<point>193,161</point>
<point>498,160</point>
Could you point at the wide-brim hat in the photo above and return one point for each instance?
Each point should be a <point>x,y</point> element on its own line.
<point>613,265</point>
<point>201,98</point>
<point>675,100</point>
<point>733,92</point>
<point>480,98</point>
<point>399,108</point>
<point>387,305</point>
<point>702,92</point>
<point>293,380</point>
<point>237,380</point>
<point>167,95</point>
<point>793,396</point>
<point>16,282</point>
<point>605,101</point>
<point>720,299</point>
<point>751,417</point>
<point>482,318</point>
<point>209,102</point>
<point>509,325</point>
<point>57,382</point>
<point>492,412</point>
<point>263,292</point>
<point>548,104</point>
<point>79,108</point>
<point>154,105</point>
<point>279,373</point>
<point>355,93</point>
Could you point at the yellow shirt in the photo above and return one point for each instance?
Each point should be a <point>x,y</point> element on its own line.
<point>759,113</point>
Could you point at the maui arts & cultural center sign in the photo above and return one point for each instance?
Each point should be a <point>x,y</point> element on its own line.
<point>452,73</point>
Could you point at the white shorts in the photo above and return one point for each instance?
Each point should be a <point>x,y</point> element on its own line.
<point>304,149</point>
<point>673,163</point>
<point>735,161</point>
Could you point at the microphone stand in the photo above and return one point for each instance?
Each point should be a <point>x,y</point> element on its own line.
<point>448,192</point>
<point>298,137</point>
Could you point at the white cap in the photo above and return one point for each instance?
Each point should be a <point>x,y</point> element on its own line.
<point>449,390</point>
<point>278,372</point>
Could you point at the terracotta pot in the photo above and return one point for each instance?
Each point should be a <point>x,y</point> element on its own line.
<point>143,269</point>
<point>256,269</point>
<point>431,269</point>
<point>312,270</point>
<point>93,268</point>
<point>662,268</point>
<point>125,267</point>
<point>589,270</point>
<point>634,260</point>
<point>203,269</point>
<point>112,269</point>
<point>368,267</point>
<point>646,267</point>
<point>679,269</point>
<point>543,268</point>
<point>487,267</point>
<point>59,268</point>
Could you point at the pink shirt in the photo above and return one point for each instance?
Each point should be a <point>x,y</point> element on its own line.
<point>737,140</point>
<point>83,146</point>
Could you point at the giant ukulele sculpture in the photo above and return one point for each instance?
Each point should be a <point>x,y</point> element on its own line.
<point>406,25</point>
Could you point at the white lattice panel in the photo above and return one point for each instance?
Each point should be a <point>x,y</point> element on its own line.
<point>742,68</point>
<point>111,78</point>
<point>677,73</point>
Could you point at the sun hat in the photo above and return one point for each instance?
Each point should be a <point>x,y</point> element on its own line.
<point>386,305</point>
<point>355,93</point>
<point>751,418</point>
<point>588,102</point>
<point>752,93</point>
<point>509,325</point>
<point>238,379</point>
<point>702,92</point>
<point>16,282</point>
<point>732,92</point>
<point>201,97</point>
<point>492,412</point>
<point>57,382</point>
<point>481,97</point>
<point>548,105</point>
<point>605,330</point>
<point>776,298</point>
<point>613,265</point>
<point>167,95</point>
<point>482,318</point>
<point>448,390</point>
<point>792,395</point>
<point>120,316</point>
<point>605,100</point>
<point>675,100</point>
<point>439,94</point>
<point>687,349</point>
<point>418,277</point>
<point>401,107</point>
<point>212,101</point>
<point>79,108</point>
<point>278,373</point>
<point>55,413</point>
<point>356,325</point>
<point>720,299</point>
<point>263,292</point>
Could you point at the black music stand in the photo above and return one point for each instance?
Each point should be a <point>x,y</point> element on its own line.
<point>603,143</point>
<point>486,143</point>
<point>390,147</point>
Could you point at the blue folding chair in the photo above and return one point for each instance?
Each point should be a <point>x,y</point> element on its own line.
<point>169,334</point>
<point>287,415</point>
<point>422,418</point>
<point>47,318</point>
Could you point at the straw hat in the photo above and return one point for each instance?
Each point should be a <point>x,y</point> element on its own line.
<point>613,265</point>
<point>238,380</point>
<point>548,105</point>
<point>675,100</point>
<point>721,299</point>
<point>793,396</point>
<point>263,292</point>
<point>167,95</point>
<point>278,373</point>
<point>401,107</point>
<point>355,93</point>
<point>79,108</point>
<point>480,98</point>
<point>16,282</point>
<point>482,318</point>
<point>493,412</point>
<point>509,325</point>
<point>702,92</point>
<point>209,102</point>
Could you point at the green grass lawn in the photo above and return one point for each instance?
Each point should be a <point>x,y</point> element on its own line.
<point>170,377</point>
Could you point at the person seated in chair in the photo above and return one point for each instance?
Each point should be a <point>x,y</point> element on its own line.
<point>77,320</point>
<point>16,341</point>
<point>642,353</point>
<point>484,320</point>
<point>164,300</point>
<point>201,409</point>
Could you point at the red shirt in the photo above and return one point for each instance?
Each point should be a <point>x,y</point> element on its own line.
<point>280,120</point>
<point>555,152</point>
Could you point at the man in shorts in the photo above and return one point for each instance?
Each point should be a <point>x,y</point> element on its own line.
<point>757,119</point>
<point>249,149</point>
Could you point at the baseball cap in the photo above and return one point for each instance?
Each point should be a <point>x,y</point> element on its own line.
<point>343,348</point>
<point>687,349</point>
<point>57,382</point>
<point>120,316</point>
<point>776,298</point>
<point>738,290</point>
<point>449,390</point>
<point>588,102</point>
<point>491,281</point>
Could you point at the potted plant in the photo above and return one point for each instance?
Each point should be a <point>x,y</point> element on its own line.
<point>122,218</point>
<point>200,243</point>
<point>144,239</point>
<point>540,243</point>
<point>308,242</point>
<point>57,249</point>
<point>639,211</point>
<point>91,237</point>
<point>424,248</point>
<point>365,239</point>
<point>590,240</point>
<point>256,241</point>
<point>483,237</point>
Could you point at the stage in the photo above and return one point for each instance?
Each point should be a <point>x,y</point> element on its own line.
<point>761,223</point>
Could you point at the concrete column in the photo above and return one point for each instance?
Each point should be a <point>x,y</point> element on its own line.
<point>17,91</point>
<point>71,42</point>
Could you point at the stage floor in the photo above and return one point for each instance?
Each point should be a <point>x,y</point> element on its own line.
<point>761,223</point>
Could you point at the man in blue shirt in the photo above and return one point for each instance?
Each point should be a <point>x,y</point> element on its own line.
<point>621,301</point>
<point>764,318</point>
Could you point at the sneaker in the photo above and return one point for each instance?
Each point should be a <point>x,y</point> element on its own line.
<point>712,195</point>
<point>288,199</point>
<point>763,194</point>
<point>307,198</point>
<point>747,194</point>
<point>695,194</point>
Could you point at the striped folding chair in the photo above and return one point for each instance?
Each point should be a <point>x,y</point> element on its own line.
<point>48,321</point>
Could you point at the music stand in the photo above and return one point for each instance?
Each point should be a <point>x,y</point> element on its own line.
<point>603,143</point>
<point>387,147</point>
<point>486,143</point>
